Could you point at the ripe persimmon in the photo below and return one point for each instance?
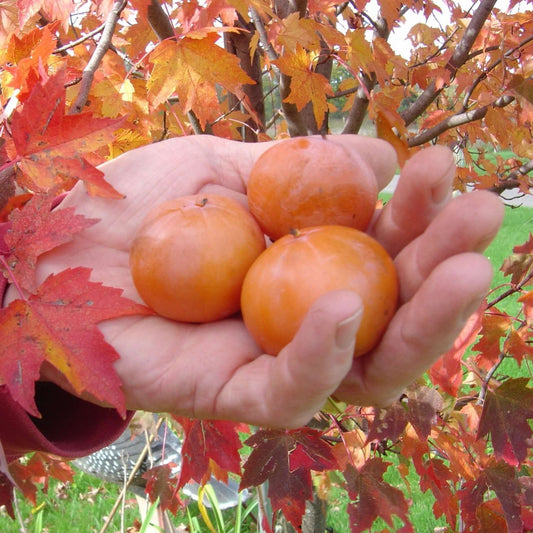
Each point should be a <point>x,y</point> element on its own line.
<point>293,272</point>
<point>310,181</point>
<point>190,256</point>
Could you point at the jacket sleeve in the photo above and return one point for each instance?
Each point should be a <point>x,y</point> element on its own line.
<point>69,426</point>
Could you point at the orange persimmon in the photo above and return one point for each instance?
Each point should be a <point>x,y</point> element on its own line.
<point>293,272</point>
<point>190,256</point>
<point>310,181</point>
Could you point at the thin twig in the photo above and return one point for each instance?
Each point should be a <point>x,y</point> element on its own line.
<point>81,40</point>
<point>485,385</point>
<point>120,497</point>
<point>509,292</point>
<point>101,48</point>
<point>18,513</point>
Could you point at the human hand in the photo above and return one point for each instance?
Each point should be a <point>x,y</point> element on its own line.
<point>216,370</point>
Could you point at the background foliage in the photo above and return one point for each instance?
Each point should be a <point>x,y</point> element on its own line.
<point>85,81</point>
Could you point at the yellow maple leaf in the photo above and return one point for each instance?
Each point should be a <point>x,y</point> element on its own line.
<point>306,84</point>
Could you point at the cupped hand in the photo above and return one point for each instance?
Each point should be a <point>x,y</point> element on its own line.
<point>216,370</point>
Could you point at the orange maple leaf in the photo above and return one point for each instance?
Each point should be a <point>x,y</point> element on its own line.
<point>191,68</point>
<point>306,84</point>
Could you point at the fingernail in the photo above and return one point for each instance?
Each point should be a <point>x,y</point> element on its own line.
<point>346,331</point>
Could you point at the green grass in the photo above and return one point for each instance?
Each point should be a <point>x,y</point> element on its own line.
<point>84,504</point>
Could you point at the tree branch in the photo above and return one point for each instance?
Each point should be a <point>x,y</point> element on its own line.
<point>294,119</point>
<point>159,21</point>
<point>459,57</point>
<point>512,181</point>
<point>458,120</point>
<point>101,48</point>
<point>357,113</point>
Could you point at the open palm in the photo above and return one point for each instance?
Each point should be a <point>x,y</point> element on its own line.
<point>216,370</point>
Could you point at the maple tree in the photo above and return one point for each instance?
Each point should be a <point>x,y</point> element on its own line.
<point>84,81</point>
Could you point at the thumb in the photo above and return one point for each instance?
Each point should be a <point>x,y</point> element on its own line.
<point>312,366</point>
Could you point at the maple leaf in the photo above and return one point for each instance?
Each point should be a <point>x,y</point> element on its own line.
<point>8,20</point>
<point>58,324</point>
<point>161,484</point>
<point>34,230</point>
<point>518,265</point>
<point>508,487</point>
<point>388,423</point>
<point>447,372</point>
<point>192,68</point>
<point>53,10</point>
<point>526,248</point>
<point>386,122</point>
<point>306,84</point>
<point>439,478</point>
<point>495,327</point>
<point>371,497</point>
<point>285,459</point>
<point>423,405</point>
<point>505,416</point>
<point>210,447</point>
<point>50,143</point>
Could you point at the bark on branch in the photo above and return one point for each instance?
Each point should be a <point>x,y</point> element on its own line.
<point>101,48</point>
<point>458,120</point>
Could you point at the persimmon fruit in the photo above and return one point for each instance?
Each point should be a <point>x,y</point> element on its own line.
<point>295,270</point>
<point>190,255</point>
<point>310,181</point>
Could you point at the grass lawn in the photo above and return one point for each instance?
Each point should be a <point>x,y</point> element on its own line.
<point>83,505</point>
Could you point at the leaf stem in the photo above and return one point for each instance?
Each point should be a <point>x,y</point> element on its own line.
<point>12,279</point>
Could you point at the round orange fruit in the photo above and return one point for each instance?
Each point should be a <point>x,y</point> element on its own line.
<point>310,181</point>
<point>293,272</point>
<point>190,256</point>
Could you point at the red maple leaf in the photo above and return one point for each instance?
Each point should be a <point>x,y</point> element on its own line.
<point>210,447</point>
<point>285,459</point>
<point>34,230</point>
<point>526,248</point>
<point>447,372</point>
<point>508,487</point>
<point>495,327</point>
<point>58,324</point>
<point>51,144</point>
<point>505,416</point>
<point>161,483</point>
<point>388,423</point>
<point>423,405</point>
<point>371,497</point>
<point>440,479</point>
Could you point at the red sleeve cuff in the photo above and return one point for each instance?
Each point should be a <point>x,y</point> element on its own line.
<point>70,427</point>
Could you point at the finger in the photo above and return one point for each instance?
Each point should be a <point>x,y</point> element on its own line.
<point>423,189</point>
<point>467,224</point>
<point>422,330</point>
<point>287,390</point>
